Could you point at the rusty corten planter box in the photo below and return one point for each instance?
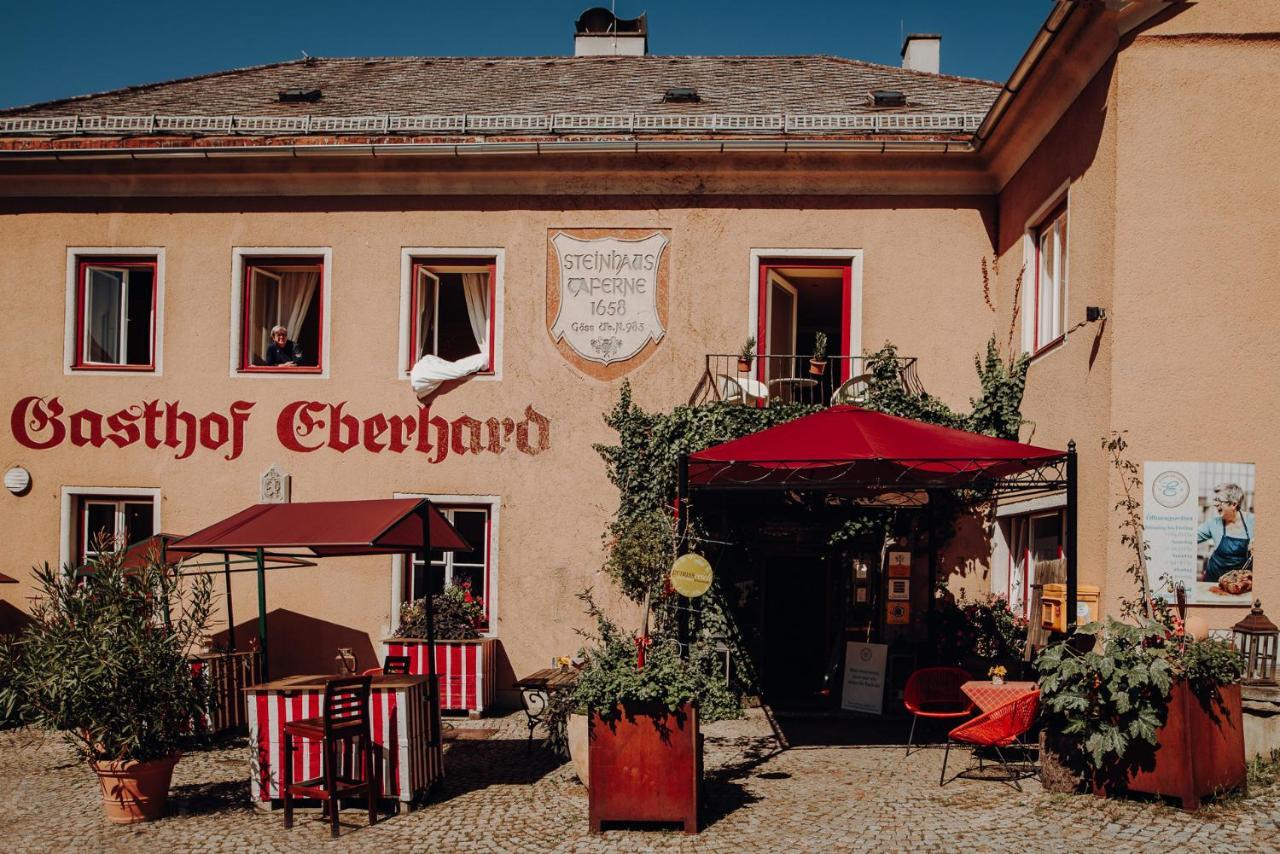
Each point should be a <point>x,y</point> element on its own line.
<point>1199,750</point>
<point>646,765</point>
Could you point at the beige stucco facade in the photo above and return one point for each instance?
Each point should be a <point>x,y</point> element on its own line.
<point>1162,155</point>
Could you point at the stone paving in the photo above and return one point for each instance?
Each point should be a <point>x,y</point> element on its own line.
<point>499,798</point>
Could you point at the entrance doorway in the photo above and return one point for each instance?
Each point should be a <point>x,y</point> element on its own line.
<point>798,300</point>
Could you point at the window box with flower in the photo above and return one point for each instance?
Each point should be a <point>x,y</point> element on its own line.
<point>465,660</point>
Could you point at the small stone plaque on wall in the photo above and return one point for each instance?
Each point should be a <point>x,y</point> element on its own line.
<point>275,486</point>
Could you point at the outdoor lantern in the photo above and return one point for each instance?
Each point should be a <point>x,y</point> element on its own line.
<point>1257,637</point>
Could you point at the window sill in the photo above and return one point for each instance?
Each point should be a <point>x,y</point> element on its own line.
<point>280,372</point>
<point>1051,347</point>
<point>91,368</point>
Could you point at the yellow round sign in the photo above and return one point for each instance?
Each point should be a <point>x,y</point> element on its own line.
<point>691,575</point>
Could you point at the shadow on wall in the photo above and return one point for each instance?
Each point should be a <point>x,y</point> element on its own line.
<point>968,555</point>
<point>301,644</point>
<point>12,618</point>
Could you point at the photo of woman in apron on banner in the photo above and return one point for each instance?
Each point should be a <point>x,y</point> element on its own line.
<point>1231,530</point>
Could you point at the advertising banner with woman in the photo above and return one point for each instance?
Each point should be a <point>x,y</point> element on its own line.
<point>1200,528</point>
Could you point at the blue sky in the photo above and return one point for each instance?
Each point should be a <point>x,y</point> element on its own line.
<point>54,50</point>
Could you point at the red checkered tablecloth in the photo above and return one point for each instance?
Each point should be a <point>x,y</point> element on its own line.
<point>987,695</point>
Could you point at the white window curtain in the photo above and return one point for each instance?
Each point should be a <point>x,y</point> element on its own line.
<point>475,287</point>
<point>297,289</point>
<point>430,372</point>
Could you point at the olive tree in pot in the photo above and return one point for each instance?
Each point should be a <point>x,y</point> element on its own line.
<point>105,661</point>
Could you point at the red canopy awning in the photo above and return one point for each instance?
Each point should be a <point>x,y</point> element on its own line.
<point>851,447</point>
<point>328,528</point>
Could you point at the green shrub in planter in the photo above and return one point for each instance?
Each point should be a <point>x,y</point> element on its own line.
<point>105,658</point>
<point>1106,689</point>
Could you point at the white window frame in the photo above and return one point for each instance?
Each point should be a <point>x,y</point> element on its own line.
<point>70,342</point>
<point>68,547</point>
<point>852,257</point>
<point>1061,197</point>
<point>241,254</point>
<point>408,256</point>
<point>490,503</point>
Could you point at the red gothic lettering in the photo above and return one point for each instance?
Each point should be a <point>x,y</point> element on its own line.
<point>466,435</point>
<point>150,417</point>
<point>401,433</point>
<point>213,431</point>
<point>30,416</point>
<point>344,430</point>
<point>123,431</point>
<point>239,415</point>
<point>493,427</point>
<point>86,428</point>
<point>374,426</point>
<point>300,411</point>
<point>534,418</point>
<point>425,422</point>
<point>173,416</point>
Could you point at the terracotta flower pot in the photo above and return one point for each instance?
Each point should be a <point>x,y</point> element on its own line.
<point>817,367</point>
<point>579,736</point>
<point>744,365</point>
<point>135,791</point>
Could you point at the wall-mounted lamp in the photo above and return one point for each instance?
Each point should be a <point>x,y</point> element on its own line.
<point>1094,313</point>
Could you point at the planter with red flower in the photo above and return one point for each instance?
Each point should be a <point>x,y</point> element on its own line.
<point>465,659</point>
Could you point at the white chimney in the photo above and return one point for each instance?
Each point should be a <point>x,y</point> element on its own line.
<point>598,32</point>
<point>922,52</point>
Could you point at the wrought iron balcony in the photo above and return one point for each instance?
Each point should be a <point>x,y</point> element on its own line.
<point>792,379</point>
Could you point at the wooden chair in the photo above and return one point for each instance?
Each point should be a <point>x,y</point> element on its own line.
<point>397,665</point>
<point>342,730</point>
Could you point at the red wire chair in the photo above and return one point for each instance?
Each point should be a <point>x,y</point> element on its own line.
<point>1000,727</point>
<point>934,692</point>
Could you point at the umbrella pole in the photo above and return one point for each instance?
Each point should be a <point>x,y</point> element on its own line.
<point>432,681</point>
<point>262,613</point>
<point>1072,505</point>
<point>231,620</point>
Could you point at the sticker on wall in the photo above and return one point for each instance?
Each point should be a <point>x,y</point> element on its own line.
<point>607,296</point>
<point>899,564</point>
<point>898,614</point>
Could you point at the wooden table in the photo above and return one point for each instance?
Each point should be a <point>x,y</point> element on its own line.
<point>987,695</point>
<point>404,719</point>
<point>536,690</point>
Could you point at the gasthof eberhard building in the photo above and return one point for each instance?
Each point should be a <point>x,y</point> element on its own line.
<point>217,287</point>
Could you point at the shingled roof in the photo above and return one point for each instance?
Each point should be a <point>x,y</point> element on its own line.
<point>415,93</point>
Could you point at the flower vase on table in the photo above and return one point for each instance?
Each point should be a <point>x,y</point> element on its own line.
<point>997,674</point>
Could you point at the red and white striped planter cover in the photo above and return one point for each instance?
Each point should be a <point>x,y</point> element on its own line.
<point>467,670</point>
<point>401,724</point>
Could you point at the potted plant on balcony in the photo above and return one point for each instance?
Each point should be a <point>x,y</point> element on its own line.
<point>1145,708</point>
<point>746,355</point>
<point>105,661</point>
<point>818,362</point>
<point>465,659</point>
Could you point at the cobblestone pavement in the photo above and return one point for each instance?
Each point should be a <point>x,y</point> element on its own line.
<point>498,798</point>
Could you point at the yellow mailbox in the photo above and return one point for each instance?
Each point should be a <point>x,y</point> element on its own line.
<point>1053,606</point>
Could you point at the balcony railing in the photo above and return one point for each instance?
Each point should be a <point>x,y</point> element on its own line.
<point>791,379</point>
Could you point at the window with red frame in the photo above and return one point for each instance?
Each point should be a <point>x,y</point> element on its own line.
<point>116,313</point>
<point>458,567</point>
<point>284,292</point>
<point>1033,539</point>
<point>107,521</point>
<point>1050,309</point>
<point>451,310</point>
